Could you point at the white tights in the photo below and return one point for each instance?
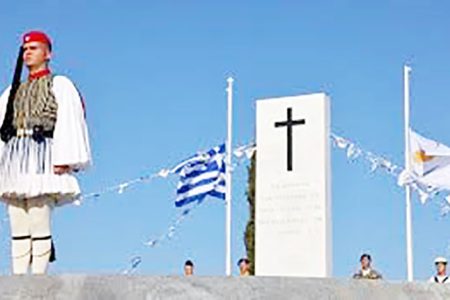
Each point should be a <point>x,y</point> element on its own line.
<point>31,243</point>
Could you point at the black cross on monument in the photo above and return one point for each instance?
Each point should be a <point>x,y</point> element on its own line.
<point>289,123</point>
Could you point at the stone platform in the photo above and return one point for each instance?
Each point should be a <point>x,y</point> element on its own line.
<point>83,287</point>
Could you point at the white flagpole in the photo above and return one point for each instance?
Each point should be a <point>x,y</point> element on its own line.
<point>409,238</point>
<point>228,177</point>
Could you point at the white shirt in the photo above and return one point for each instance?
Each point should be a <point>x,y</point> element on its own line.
<point>439,279</point>
<point>70,138</point>
<point>70,146</point>
<point>366,272</point>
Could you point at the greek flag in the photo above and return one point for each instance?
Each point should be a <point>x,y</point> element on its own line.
<point>200,176</point>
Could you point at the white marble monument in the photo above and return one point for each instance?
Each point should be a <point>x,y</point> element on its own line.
<point>293,204</point>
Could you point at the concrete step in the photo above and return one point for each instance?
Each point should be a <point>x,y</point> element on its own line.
<point>84,287</point>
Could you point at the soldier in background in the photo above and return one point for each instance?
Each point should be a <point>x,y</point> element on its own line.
<point>441,271</point>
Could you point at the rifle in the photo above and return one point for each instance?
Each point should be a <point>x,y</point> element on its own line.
<point>7,130</point>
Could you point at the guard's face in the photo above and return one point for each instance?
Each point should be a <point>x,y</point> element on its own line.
<point>35,54</point>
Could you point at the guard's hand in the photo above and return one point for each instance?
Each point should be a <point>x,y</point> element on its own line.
<point>59,170</point>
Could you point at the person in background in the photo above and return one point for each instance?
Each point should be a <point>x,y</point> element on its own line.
<point>366,271</point>
<point>441,271</point>
<point>188,268</point>
<point>244,267</point>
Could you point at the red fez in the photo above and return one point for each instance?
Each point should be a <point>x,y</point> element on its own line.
<point>37,36</point>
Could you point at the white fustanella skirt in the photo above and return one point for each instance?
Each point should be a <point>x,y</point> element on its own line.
<point>26,172</point>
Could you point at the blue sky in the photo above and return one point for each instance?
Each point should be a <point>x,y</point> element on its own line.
<point>153,75</point>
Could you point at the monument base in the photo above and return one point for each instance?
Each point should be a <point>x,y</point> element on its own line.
<point>81,287</point>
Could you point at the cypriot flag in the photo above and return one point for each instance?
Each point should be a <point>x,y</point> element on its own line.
<point>430,161</point>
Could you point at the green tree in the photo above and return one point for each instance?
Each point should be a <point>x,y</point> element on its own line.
<point>249,236</point>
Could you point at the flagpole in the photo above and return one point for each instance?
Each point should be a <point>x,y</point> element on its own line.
<point>409,238</point>
<point>228,176</point>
